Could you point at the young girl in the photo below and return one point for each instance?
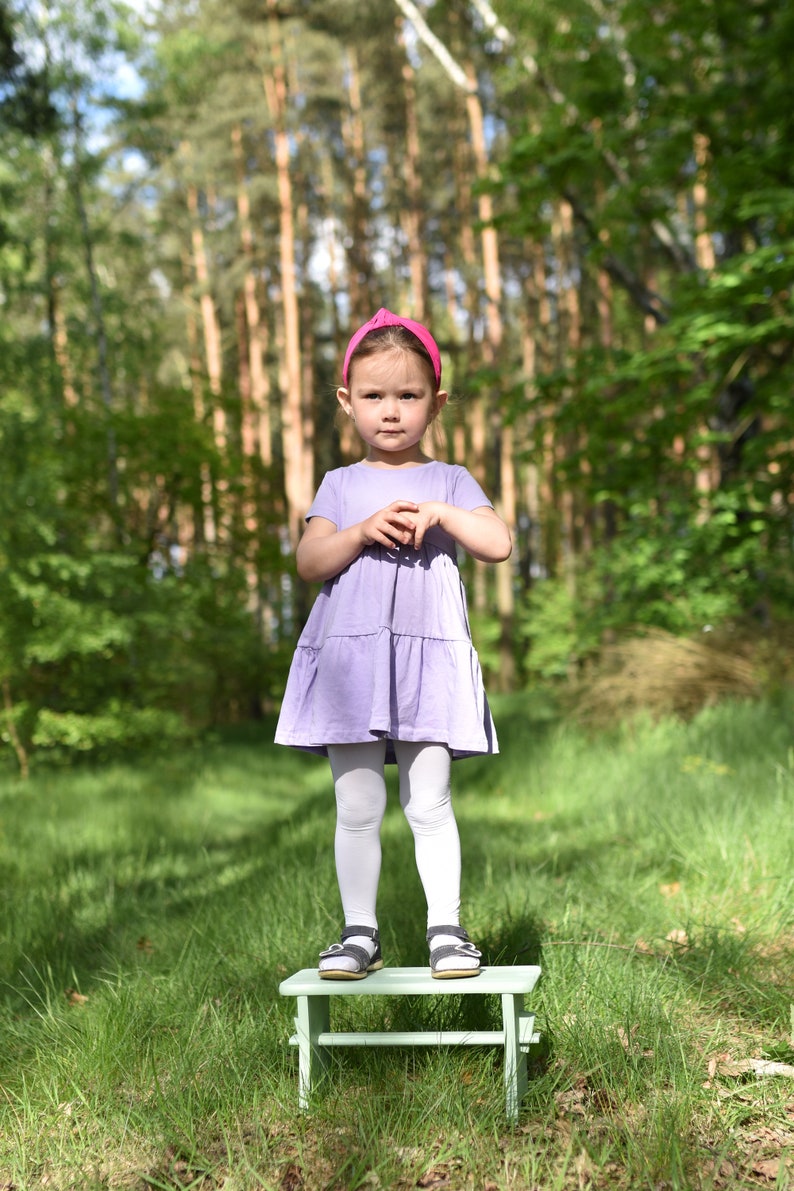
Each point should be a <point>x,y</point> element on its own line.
<point>385,669</point>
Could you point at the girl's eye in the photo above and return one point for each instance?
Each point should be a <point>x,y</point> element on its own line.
<point>409,396</point>
<point>371,396</point>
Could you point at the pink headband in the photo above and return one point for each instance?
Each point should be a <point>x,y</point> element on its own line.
<point>385,318</point>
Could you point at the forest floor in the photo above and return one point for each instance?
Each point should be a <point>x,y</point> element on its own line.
<point>151,908</point>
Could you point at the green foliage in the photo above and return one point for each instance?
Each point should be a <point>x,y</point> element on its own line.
<point>668,552</point>
<point>106,655</point>
<point>553,622</point>
<point>665,570</point>
<point>104,643</point>
<point>117,727</point>
<point>674,444</point>
<point>679,581</point>
<point>99,648</point>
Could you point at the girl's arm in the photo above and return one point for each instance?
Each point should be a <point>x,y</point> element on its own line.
<point>481,532</point>
<point>324,550</point>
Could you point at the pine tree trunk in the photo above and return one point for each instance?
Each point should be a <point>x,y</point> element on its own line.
<point>258,431</point>
<point>608,514</point>
<point>504,487</point>
<point>530,549</point>
<point>549,518</point>
<point>213,359</point>
<point>413,221</point>
<point>297,483</point>
<point>707,475</point>
<point>204,525</point>
<point>309,344</point>
<point>65,393</point>
<point>97,309</point>
<point>358,254</point>
<point>218,488</point>
<point>60,345</point>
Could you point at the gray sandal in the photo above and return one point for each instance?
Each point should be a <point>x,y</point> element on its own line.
<point>465,949</point>
<point>366,963</point>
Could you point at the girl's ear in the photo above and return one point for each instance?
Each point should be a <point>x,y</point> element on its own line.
<point>343,397</point>
<point>440,402</point>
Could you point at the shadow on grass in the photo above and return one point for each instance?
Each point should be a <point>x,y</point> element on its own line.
<point>730,972</point>
<point>181,886</point>
<point>77,919</point>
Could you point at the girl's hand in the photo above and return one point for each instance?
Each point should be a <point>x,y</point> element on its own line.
<point>324,550</point>
<point>429,513</point>
<point>481,532</point>
<point>390,526</point>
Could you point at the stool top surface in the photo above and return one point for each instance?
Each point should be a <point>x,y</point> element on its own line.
<point>416,981</point>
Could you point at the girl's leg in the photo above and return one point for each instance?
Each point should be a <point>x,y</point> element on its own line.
<point>360,806</point>
<point>427,802</point>
<point>426,799</point>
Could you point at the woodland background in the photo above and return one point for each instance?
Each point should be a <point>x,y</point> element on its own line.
<point>592,206</point>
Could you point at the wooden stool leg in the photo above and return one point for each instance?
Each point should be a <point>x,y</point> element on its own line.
<point>314,1018</point>
<point>515,1058</point>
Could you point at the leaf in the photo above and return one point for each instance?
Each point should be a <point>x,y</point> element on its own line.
<point>571,1102</point>
<point>437,1176</point>
<point>769,1168</point>
<point>292,1178</point>
<point>643,947</point>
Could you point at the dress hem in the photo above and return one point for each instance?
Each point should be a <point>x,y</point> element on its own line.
<point>321,750</point>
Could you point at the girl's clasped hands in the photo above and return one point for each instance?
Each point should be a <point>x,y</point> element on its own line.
<point>401,523</point>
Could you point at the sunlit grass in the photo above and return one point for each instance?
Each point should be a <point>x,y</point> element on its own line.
<point>150,910</point>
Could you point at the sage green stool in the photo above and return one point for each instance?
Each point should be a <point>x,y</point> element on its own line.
<point>314,1035</point>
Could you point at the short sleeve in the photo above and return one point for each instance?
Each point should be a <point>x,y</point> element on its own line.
<point>466,492</point>
<point>326,500</point>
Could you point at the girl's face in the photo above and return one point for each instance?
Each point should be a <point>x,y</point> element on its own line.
<point>392,399</point>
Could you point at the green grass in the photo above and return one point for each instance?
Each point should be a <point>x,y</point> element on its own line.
<point>148,912</point>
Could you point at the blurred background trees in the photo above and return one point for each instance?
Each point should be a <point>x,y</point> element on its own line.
<point>594,211</point>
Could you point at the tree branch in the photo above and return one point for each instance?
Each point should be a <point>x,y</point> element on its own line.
<point>647,300</point>
<point>436,47</point>
<point>660,230</point>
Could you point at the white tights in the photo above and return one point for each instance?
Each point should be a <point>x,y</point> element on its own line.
<point>360,806</point>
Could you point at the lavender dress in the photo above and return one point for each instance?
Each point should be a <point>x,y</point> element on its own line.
<point>387,652</point>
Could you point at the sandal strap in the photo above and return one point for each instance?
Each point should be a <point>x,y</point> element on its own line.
<point>360,955</point>
<point>367,932</point>
<point>457,932</point>
<point>465,949</point>
<point>459,950</point>
<point>349,951</point>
